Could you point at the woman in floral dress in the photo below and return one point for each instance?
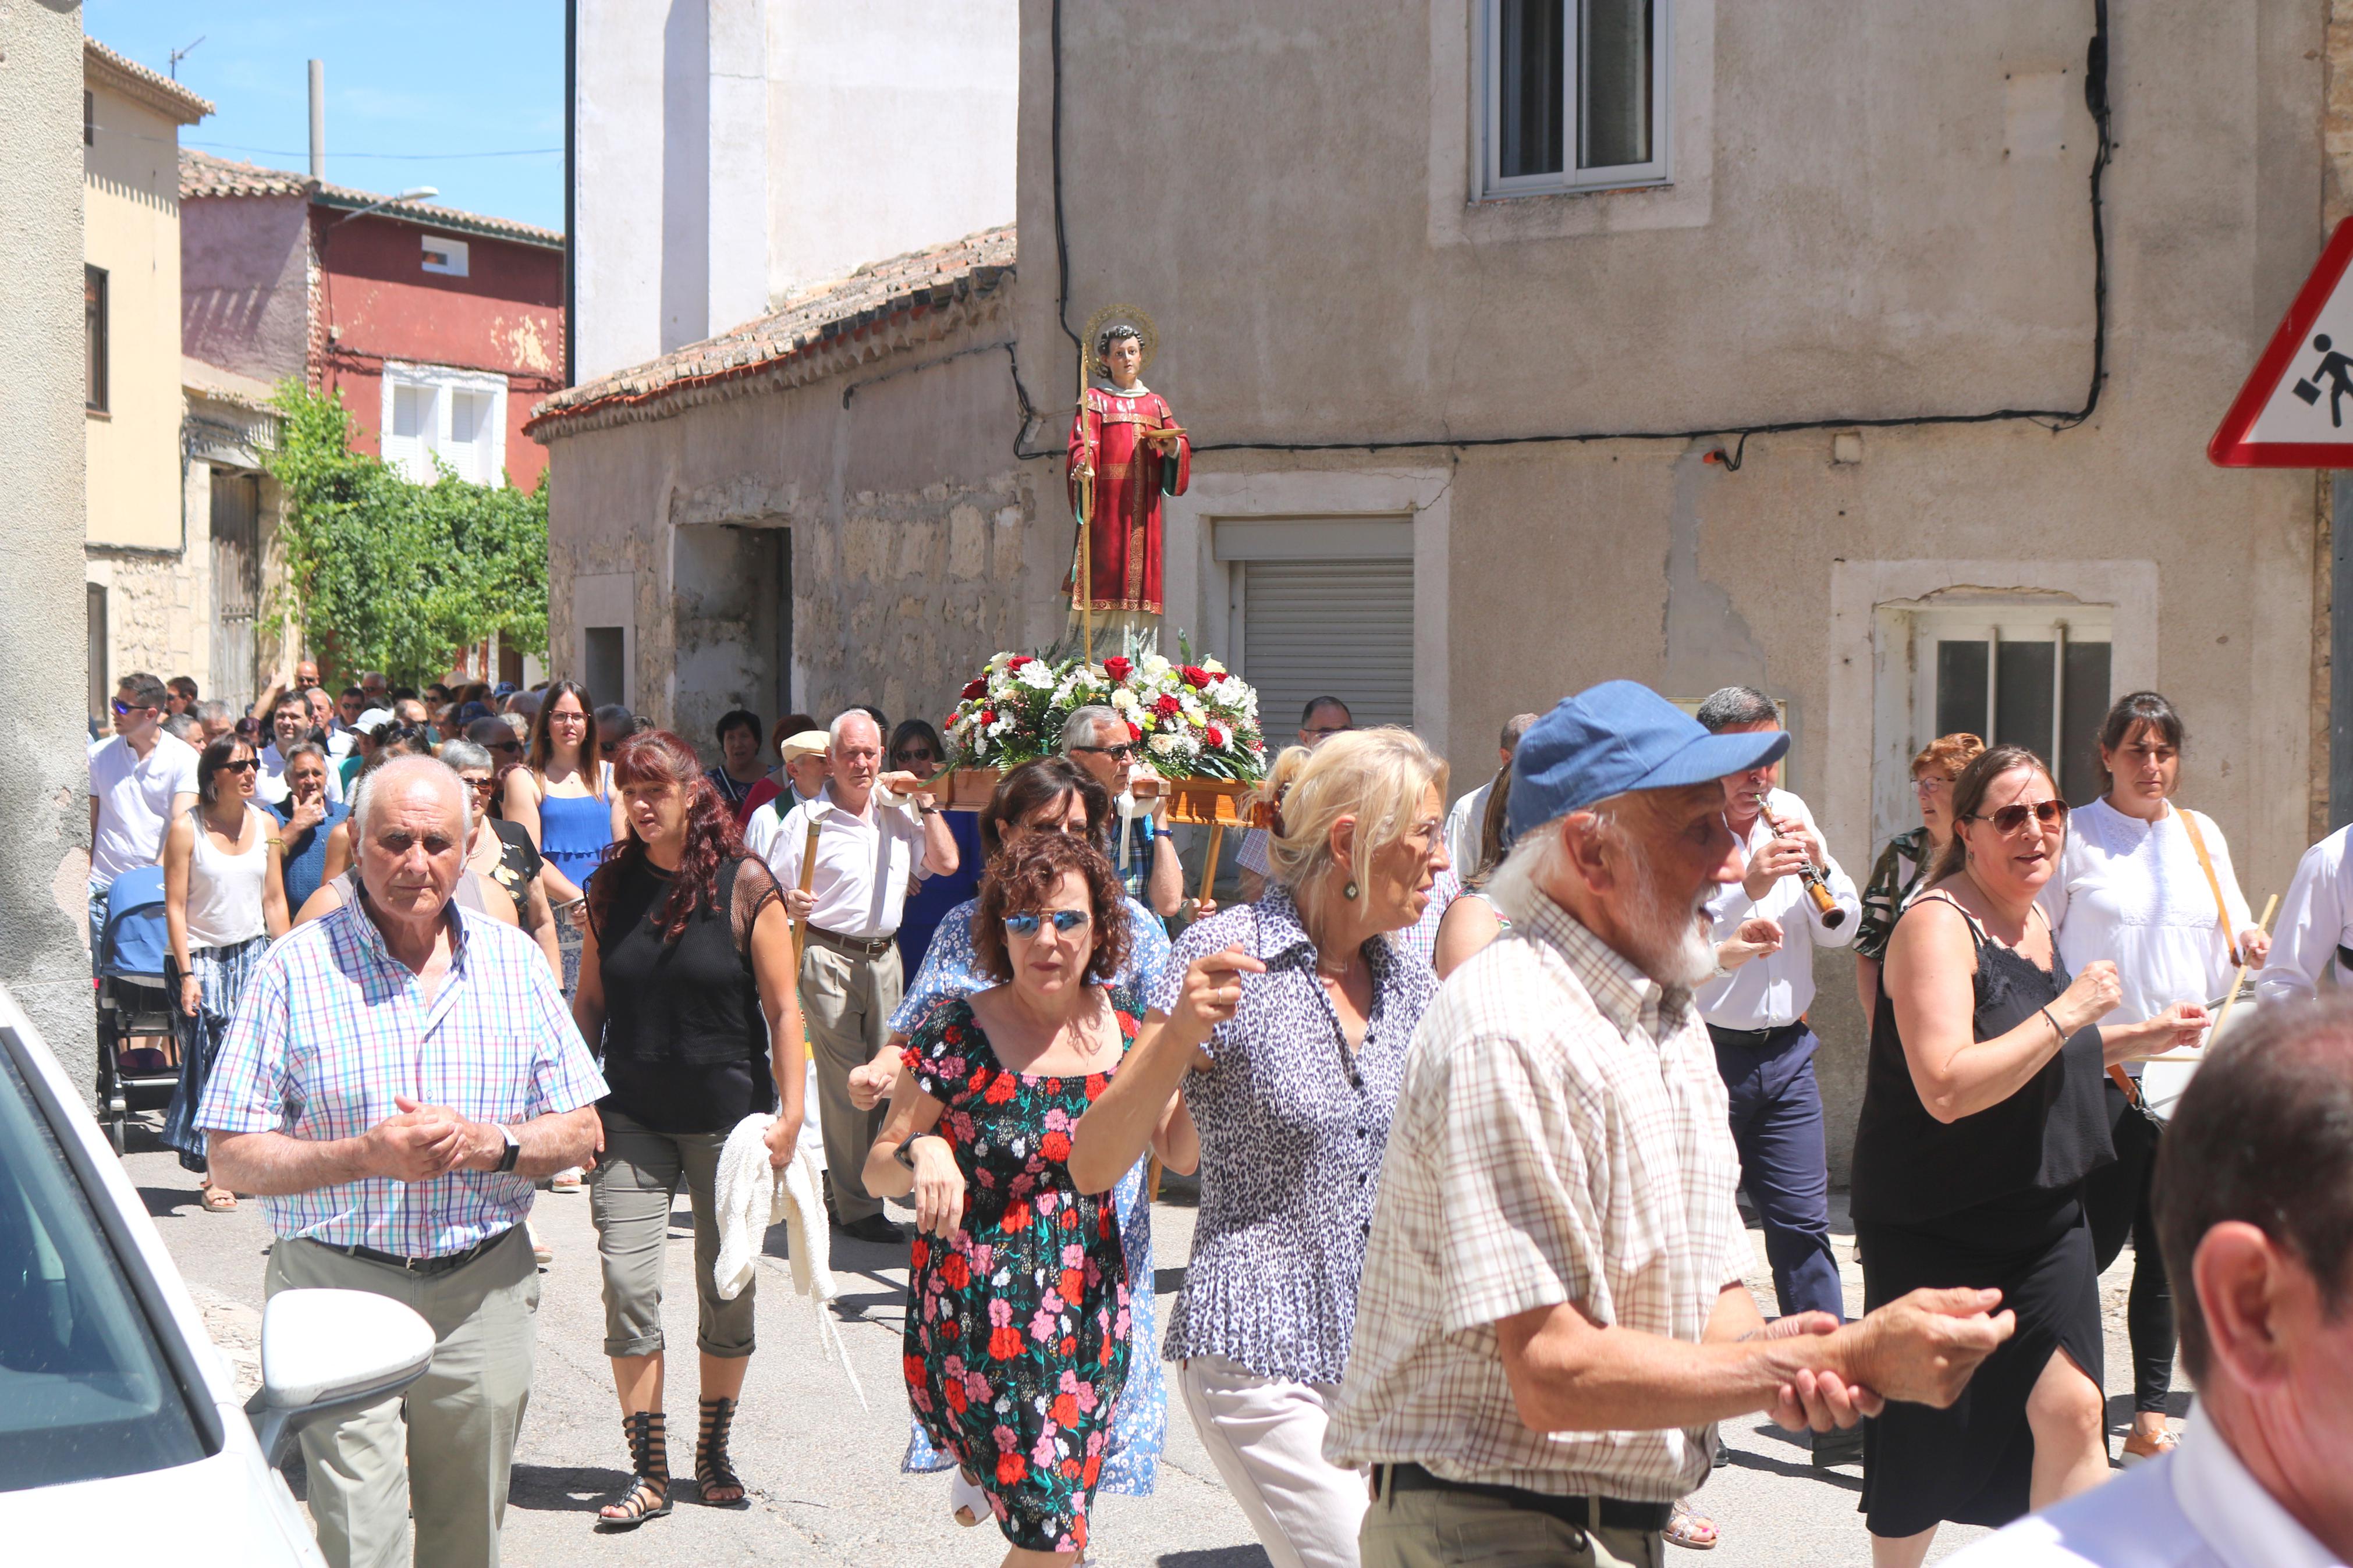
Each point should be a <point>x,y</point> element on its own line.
<point>1019,1316</point>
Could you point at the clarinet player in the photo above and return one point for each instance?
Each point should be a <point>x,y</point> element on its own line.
<point>1756,1014</point>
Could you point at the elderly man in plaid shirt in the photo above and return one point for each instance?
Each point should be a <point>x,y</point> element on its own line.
<point>1552,1318</point>
<point>397,1075</point>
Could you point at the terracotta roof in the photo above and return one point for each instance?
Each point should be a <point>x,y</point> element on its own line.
<point>830,315</point>
<point>204,175</point>
<point>154,89</point>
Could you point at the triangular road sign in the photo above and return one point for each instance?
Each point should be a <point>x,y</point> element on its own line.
<point>2297,409</point>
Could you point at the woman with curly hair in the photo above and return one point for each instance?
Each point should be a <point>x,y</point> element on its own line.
<point>687,977</point>
<point>1021,1316</point>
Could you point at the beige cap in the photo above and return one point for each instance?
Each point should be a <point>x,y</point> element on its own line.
<point>807,744</point>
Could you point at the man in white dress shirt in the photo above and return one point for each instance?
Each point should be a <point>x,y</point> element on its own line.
<point>2315,933</point>
<point>1756,1014</point>
<point>289,724</point>
<point>1466,821</point>
<point>867,849</point>
<point>2254,1211</point>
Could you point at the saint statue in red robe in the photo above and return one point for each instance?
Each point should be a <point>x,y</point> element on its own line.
<point>1126,452</point>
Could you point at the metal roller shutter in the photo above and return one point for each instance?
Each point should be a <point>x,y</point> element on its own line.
<point>1341,628</point>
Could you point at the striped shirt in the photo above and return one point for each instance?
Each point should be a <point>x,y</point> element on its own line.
<point>1562,1136</point>
<point>331,1026</point>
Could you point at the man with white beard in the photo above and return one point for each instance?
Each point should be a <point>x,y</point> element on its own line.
<point>1551,1319</point>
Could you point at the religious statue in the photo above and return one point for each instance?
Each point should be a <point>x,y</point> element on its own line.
<point>1126,452</point>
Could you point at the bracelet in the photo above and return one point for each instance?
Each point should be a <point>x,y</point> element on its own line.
<point>2047,1019</point>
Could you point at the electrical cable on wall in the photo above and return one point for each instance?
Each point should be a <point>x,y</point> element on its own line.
<point>2096,99</point>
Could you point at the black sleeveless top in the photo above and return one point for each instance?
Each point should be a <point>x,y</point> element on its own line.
<point>2029,1153</point>
<point>686,1047</point>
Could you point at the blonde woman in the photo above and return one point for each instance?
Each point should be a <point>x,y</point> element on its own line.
<point>1284,1024</point>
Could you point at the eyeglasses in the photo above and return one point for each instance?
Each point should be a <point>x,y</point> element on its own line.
<point>250,765</point>
<point>1028,924</point>
<point>484,783</point>
<point>1931,783</point>
<point>506,746</point>
<point>1122,753</point>
<point>1325,731</point>
<point>2012,817</point>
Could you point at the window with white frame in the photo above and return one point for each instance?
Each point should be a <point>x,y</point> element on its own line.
<point>457,415</point>
<point>1576,95</point>
<point>444,256</point>
<point>2015,673</point>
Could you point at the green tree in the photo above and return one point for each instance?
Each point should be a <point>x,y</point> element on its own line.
<point>386,573</point>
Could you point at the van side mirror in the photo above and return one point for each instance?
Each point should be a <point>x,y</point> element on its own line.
<point>327,1353</point>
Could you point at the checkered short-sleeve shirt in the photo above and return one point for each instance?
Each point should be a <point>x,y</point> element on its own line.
<point>1562,1136</point>
<point>332,1027</point>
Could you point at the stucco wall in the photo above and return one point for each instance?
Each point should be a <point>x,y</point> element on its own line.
<point>731,152</point>
<point>130,226</point>
<point>245,284</point>
<point>45,816</point>
<point>911,540</point>
<point>1866,221</point>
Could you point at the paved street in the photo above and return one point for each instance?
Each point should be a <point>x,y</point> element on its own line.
<point>824,1474</point>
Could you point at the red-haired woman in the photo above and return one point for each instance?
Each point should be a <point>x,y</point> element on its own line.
<point>687,977</point>
<point>1020,1306</point>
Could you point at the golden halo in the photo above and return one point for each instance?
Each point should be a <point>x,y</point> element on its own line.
<point>1148,335</point>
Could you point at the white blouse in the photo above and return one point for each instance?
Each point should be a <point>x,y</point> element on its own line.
<point>2133,891</point>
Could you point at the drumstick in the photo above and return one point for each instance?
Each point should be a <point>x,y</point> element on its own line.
<point>2230,1000</point>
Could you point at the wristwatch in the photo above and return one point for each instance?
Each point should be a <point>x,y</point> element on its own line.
<point>928,808</point>
<point>513,1149</point>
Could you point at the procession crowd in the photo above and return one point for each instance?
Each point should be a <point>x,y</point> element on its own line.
<point>1470,1091</point>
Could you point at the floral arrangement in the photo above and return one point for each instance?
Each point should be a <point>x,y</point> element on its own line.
<point>1189,721</point>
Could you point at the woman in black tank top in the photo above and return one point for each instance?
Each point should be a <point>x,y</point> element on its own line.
<point>1982,1113</point>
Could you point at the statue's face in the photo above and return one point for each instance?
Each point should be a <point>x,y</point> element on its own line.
<point>1125,361</point>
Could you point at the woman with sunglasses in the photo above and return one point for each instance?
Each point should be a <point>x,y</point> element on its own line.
<point>1981,1117</point>
<point>916,748</point>
<point>224,899</point>
<point>1050,796</point>
<point>1021,1319</point>
<point>2148,884</point>
<point>501,853</point>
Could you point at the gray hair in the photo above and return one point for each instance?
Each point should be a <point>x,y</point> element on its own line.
<point>1539,856</point>
<point>318,692</point>
<point>304,749</point>
<point>400,771</point>
<point>1736,705</point>
<point>833,731</point>
<point>1517,725</point>
<point>459,755</point>
<point>212,710</point>
<point>1078,729</point>
<point>183,727</point>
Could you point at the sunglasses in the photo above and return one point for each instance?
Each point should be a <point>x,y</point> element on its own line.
<point>506,746</point>
<point>124,709</point>
<point>250,765</point>
<point>1122,753</point>
<point>481,784</point>
<point>2010,818</point>
<point>1028,924</point>
<point>916,754</point>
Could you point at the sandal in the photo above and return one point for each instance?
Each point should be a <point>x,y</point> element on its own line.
<point>712,1473</point>
<point>968,1504</point>
<point>1685,1528</point>
<point>219,1200</point>
<point>2141,1446</point>
<point>649,1496</point>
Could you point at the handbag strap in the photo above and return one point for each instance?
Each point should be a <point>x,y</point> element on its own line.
<point>2213,883</point>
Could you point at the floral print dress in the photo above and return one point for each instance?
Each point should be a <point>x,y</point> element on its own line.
<point>1019,1325</point>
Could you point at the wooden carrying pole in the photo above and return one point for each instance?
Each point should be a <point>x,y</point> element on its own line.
<point>2230,1000</point>
<point>1209,861</point>
<point>808,877</point>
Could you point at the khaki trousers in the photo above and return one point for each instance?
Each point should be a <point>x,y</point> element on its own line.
<point>846,1004</point>
<point>442,1449</point>
<point>1442,1529</point>
<point>629,1196</point>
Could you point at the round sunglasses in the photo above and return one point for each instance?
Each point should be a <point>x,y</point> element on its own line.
<point>1028,924</point>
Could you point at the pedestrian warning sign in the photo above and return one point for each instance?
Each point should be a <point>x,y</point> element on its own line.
<point>2297,409</point>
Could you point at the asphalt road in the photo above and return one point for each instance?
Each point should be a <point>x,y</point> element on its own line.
<point>824,1473</point>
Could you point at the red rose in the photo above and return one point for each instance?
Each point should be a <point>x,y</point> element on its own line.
<point>1169,707</point>
<point>1195,676</point>
<point>1118,668</point>
<point>1004,1343</point>
<point>1017,661</point>
<point>1055,1146</point>
<point>988,715</point>
<point>1010,1468</point>
<point>974,688</point>
<point>1216,736</point>
<point>1134,731</point>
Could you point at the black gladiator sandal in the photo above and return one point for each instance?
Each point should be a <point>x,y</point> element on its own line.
<point>648,1498</point>
<point>712,1471</point>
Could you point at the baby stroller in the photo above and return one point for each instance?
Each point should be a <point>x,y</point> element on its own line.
<point>135,999</point>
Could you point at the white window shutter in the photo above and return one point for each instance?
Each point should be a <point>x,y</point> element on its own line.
<point>1339,628</point>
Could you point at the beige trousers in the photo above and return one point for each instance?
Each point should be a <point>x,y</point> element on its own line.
<point>1444,1529</point>
<point>1266,1438</point>
<point>629,1196</point>
<point>846,1006</point>
<point>441,1451</point>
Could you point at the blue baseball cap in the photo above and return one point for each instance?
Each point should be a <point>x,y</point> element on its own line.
<point>1618,736</point>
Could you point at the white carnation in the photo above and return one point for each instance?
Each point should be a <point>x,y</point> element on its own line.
<point>1038,673</point>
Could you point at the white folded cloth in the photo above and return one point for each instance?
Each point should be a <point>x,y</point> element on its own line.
<point>749,1196</point>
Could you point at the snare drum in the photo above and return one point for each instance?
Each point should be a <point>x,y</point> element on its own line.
<point>2162,1083</point>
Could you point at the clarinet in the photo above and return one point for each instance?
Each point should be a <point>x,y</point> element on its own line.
<point>1817,887</point>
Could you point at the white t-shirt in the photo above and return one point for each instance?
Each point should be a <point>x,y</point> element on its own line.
<point>1466,825</point>
<point>134,802</point>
